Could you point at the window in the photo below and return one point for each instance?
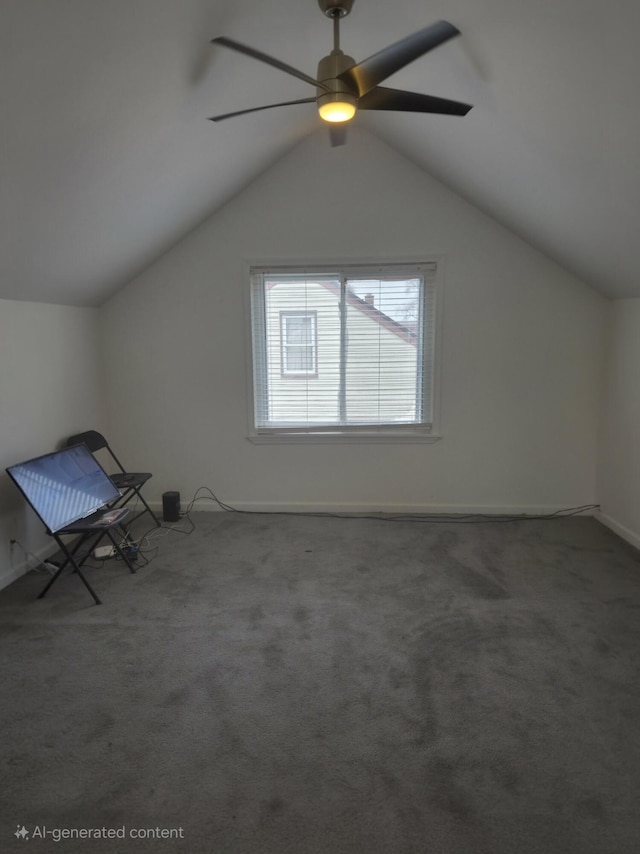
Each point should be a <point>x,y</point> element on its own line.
<point>298,343</point>
<point>346,352</point>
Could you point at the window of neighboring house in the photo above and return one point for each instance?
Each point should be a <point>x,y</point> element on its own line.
<point>345,352</point>
<point>298,343</point>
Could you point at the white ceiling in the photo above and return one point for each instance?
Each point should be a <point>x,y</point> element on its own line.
<point>107,159</point>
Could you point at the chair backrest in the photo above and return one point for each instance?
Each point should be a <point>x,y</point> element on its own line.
<point>91,438</point>
<point>95,442</point>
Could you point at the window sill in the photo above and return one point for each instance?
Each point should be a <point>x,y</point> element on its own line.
<point>403,437</point>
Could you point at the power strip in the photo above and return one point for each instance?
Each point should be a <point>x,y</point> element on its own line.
<point>104,552</point>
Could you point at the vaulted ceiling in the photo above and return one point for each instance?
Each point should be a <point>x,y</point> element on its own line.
<point>107,157</point>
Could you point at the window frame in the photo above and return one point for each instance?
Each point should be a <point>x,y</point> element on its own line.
<point>285,372</point>
<point>431,362</point>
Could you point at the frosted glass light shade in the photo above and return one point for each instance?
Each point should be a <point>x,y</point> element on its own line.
<point>337,111</point>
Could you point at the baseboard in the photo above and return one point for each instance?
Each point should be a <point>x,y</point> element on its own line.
<point>19,569</point>
<point>206,504</point>
<point>622,531</point>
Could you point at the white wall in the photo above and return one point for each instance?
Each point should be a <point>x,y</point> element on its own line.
<point>523,345</point>
<point>50,387</point>
<point>619,457</point>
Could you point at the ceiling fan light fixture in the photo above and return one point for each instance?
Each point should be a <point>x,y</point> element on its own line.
<point>337,106</point>
<point>344,86</point>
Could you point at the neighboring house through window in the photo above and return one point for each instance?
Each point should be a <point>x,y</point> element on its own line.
<point>344,351</point>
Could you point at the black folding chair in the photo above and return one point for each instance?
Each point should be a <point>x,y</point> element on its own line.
<point>128,482</point>
<point>90,533</point>
<point>73,497</point>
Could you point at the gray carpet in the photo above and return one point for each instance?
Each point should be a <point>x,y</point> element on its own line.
<point>279,684</point>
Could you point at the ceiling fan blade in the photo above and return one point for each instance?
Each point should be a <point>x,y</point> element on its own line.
<point>338,134</point>
<point>368,73</point>
<point>269,60</point>
<point>381,98</point>
<point>257,109</point>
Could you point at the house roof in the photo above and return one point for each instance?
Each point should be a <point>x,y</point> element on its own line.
<point>406,331</point>
<point>107,159</point>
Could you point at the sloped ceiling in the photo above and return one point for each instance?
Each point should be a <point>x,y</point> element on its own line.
<point>107,159</point>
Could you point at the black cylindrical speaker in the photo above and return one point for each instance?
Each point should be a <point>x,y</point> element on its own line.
<point>171,506</point>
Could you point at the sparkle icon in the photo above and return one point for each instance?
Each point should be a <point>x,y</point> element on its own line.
<point>21,832</point>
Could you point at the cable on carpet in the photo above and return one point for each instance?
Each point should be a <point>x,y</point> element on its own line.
<point>456,518</point>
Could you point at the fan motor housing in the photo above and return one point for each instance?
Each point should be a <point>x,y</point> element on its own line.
<point>330,67</point>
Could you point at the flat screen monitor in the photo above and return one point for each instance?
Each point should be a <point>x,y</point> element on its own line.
<point>65,486</point>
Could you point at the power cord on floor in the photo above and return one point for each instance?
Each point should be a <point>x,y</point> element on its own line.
<point>145,542</point>
<point>457,518</point>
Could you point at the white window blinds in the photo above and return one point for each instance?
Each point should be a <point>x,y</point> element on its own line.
<point>341,350</point>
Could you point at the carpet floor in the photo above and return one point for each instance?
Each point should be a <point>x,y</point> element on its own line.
<point>309,685</point>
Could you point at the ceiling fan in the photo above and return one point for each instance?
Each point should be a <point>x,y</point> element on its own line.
<point>343,86</point>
